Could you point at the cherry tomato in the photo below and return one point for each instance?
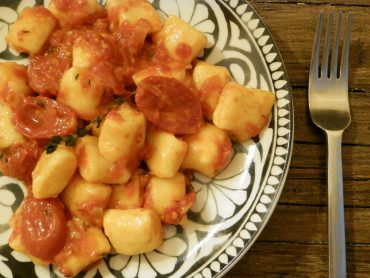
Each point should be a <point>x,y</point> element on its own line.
<point>44,227</point>
<point>169,105</point>
<point>19,160</point>
<point>42,117</point>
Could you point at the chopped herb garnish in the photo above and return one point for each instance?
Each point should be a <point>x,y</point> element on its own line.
<point>1,174</point>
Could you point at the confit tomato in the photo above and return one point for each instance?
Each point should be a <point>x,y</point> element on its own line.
<point>19,160</point>
<point>169,105</point>
<point>44,227</point>
<point>42,117</point>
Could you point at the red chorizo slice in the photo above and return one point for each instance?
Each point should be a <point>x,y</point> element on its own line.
<point>169,105</point>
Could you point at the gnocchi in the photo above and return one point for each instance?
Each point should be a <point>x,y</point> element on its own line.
<point>107,125</point>
<point>32,29</point>
<point>53,172</point>
<point>133,231</point>
<point>13,84</point>
<point>243,111</point>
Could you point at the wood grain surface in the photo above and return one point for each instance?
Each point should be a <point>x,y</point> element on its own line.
<point>294,242</point>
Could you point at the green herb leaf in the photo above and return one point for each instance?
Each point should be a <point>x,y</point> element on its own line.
<point>118,100</point>
<point>97,121</point>
<point>70,140</point>
<point>56,140</point>
<point>50,148</point>
<point>1,174</point>
<point>81,132</point>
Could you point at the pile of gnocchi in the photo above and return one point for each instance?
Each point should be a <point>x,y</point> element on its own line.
<point>106,125</point>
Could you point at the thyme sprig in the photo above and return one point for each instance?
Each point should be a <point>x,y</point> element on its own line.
<point>71,139</point>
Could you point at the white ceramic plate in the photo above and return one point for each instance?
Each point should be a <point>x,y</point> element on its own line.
<point>232,208</point>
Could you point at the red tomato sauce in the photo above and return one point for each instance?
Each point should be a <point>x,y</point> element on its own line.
<point>175,213</point>
<point>251,129</point>
<point>77,243</point>
<point>224,154</point>
<point>183,50</point>
<point>92,211</point>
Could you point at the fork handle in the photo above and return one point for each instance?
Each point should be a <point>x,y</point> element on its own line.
<point>337,242</point>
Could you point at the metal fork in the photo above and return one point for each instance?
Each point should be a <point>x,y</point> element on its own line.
<point>329,109</point>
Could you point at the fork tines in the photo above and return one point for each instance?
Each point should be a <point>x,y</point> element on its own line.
<point>323,71</point>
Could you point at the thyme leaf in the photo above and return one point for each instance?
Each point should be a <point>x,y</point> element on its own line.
<point>70,140</point>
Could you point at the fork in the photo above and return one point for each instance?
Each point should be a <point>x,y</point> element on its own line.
<point>329,110</point>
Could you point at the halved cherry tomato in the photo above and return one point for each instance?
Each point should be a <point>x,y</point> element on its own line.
<point>43,117</point>
<point>169,105</point>
<point>19,160</point>
<point>44,227</point>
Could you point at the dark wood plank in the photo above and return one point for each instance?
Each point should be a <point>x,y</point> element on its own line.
<point>289,223</point>
<point>309,160</point>
<point>290,260</point>
<point>313,191</point>
<point>357,133</point>
<point>293,28</point>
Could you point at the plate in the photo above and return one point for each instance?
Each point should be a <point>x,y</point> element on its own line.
<point>231,209</point>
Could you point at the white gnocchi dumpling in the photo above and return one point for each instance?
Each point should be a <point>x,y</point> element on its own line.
<point>209,150</point>
<point>168,198</point>
<point>31,30</point>
<point>242,111</point>
<point>173,69</point>
<point>167,153</point>
<point>13,84</point>
<point>84,246</point>
<point>122,135</point>
<point>70,12</point>
<point>209,80</point>
<point>53,172</point>
<point>9,134</point>
<point>86,200</point>
<point>132,12</point>
<point>129,195</point>
<point>82,91</point>
<point>93,167</point>
<point>181,41</point>
<point>133,231</point>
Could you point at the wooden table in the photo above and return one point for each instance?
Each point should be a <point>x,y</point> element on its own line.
<point>294,242</point>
